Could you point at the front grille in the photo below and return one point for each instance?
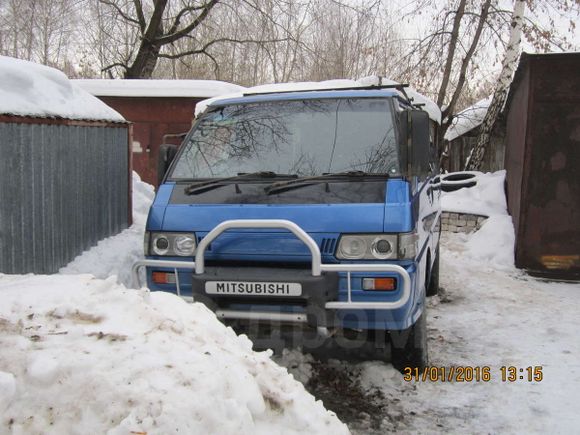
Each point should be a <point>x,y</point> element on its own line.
<point>199,239</point>
<point>327,245</point>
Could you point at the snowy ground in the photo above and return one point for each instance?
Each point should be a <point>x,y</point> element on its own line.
<point>86,355</point>
<point>488,314</point>
<point>485,317</point>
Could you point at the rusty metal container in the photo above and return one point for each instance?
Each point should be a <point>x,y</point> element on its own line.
<point>543,164</point>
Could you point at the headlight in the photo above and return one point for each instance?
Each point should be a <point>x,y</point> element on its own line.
<point>367,247</point>
<point>377,246</point>
<point>381,248</point>
<point>184,245</point>
<point>352,247</point>
<point>171,244</point>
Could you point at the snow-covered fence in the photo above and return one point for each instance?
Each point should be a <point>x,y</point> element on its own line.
<point>64,169</point>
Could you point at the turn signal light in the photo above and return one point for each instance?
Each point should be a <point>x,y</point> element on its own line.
<point>163,277</point>
<point>383,284</point>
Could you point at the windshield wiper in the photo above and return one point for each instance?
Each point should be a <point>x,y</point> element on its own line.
<point>283,186</point>
<point>204,186</point>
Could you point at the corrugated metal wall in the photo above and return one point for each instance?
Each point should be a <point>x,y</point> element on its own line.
<point>62,189</point>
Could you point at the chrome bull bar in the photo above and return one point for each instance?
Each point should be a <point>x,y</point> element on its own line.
<point>198,266</point>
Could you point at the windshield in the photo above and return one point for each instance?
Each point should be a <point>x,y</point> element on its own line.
<point>306,137</point>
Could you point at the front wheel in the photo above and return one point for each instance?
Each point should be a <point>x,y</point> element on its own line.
<point>409,346</point>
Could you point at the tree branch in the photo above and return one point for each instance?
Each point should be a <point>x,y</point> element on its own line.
<point>203,50</point>
<point>451,53</point>
<point>140,16</point>
<point>464,64</point>
<point>119,11</point>
<point>175,35</point>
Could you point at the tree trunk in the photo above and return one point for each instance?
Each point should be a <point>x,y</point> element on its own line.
<point>148,54</point>
<point>475,159</point>
<point>145,62</point>
<point>451,52</point>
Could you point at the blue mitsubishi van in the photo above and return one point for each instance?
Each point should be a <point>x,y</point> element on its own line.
<point>318,208</point>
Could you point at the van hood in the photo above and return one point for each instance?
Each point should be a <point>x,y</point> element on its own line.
<point>317,207</point>
<point>324,213</point>
<point>312,218</point>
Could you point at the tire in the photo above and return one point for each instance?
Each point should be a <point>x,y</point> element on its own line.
<point>409,346</point>
<point>432,285</point>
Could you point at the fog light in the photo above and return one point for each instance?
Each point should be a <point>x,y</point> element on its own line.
<point>163,277</point>
<point>384,284</point>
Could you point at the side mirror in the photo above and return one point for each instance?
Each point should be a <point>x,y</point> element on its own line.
<point>419,152</point>
<point>166,155</point>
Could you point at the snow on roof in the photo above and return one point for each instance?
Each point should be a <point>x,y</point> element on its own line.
<point>30,89</point>
<point>468,119</point>
<point>429,106</point>
<point>157,88</point>
<point>275,87</point>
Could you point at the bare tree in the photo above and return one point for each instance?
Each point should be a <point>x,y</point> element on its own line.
<point>465,38</point>
<point>499,96</point>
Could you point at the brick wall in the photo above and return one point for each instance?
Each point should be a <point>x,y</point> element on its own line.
<point>461,222</point>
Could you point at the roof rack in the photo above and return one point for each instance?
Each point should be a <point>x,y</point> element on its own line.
<point>349,88</point>
<point>399,86</point>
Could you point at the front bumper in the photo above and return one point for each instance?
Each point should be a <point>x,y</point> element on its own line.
<point>320,305</point>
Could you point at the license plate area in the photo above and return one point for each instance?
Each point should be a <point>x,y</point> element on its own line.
<point>253,288</point>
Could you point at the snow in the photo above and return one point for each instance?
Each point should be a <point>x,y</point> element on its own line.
<point>430,106</point>
<point>85,355</point>
<point>30,89</point>
<point>276,87</point>
<point>157,88</point>
<point>417,98</point>
<point>493,243</point>
<point>468,119</point>
<point>486,198</point>
<point>89,355</point>
<point>485,316</point>
<point>494,318</point>
<point>488,314</point>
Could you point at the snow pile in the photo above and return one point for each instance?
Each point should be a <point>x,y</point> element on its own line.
<point>83,355</point>
<point>30,89</point>
<point>493,243</point>
<point>468,119</point>
<point>157,88</point>
<point>486,198</point>
<point>115,255</point>
<point>430,106</point>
